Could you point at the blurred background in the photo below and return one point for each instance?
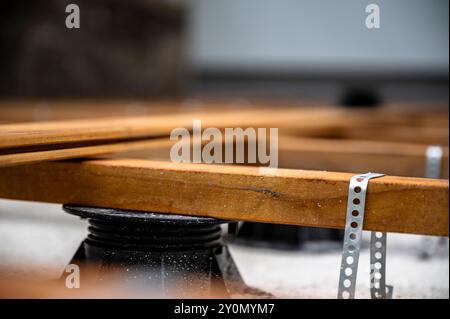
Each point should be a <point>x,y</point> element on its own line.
<point>303,52</point>
<point>293,48</point>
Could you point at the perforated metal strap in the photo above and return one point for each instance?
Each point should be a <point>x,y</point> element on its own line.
<point>353,233</point>
<point>378,287</point>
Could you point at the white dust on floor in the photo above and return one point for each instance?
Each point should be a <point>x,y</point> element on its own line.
<point>40,239</point>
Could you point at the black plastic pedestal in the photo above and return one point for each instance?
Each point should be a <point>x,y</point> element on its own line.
<point>171,254</point>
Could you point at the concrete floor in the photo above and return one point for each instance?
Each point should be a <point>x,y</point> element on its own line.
<point>39,240</point>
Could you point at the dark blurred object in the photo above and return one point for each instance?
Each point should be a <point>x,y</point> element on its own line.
<point>284,236</point>
<point>160,251</point>
<point>122,48</point>
<point>360,97</point>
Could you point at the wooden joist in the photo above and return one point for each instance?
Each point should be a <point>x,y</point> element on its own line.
<point>399,159</point>
<point>31,142</point>
<point>42,134</point>
<point>30,110</point>
<point>296,197</point>
<point>41,141</point>
<point>81,152</point>
<point>163,117</point>
<point>406,134</point>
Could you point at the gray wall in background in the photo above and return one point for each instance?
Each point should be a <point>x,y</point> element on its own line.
<point>320,36</point>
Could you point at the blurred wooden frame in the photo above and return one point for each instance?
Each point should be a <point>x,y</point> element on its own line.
<point>320,139</point>
<point>358,156</point>
<point>39,141</point>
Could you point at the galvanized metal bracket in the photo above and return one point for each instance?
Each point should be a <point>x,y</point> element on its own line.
<point>434,161</point>
<point>433,168</point>
<point>353,234</point>
<point>378,287</point>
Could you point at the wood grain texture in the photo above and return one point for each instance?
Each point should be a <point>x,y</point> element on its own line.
<point>297,197</point>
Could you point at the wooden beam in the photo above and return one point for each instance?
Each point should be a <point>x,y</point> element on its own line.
<point>393,158</point>
<point>13,137</point>
<point>82,152</point>
<point>317,122</point>
<point>400,159</point>
<point>296,197</point>
<point>32,142</point>
<point>405,134</point>
<point>30,110</point>
<point>43,141</point>
<point>357,156</point>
